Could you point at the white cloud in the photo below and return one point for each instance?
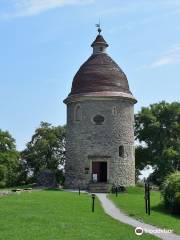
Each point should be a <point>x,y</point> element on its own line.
<point>173,6</point>
<point>170,57</point>
<point>22,8</point>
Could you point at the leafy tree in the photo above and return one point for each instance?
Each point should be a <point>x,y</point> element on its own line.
<point>171,192</point>
<point>46,150</point>
<point>9,160</point>
<point>157,128</point>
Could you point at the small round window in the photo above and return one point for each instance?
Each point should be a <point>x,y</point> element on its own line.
<point>98,119</point>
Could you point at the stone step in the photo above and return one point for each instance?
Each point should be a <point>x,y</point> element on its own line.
<point>99,187</point>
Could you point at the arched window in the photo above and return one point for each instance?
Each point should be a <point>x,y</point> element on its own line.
<point>78,113</point>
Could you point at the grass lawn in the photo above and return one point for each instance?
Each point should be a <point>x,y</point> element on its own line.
<point>132,202</point>
<point>52,215</point>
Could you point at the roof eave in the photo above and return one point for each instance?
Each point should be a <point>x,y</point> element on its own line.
<point>99,96</point>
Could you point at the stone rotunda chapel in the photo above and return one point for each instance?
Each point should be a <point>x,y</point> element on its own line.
<point>100,118</point>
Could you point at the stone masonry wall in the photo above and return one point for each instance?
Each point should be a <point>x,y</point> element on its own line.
<point>87,142</point>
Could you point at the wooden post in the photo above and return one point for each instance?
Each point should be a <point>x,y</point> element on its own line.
<point>93,200</point>
<point>149,210</point>
<point>145,197</point>
<point>116,191</point>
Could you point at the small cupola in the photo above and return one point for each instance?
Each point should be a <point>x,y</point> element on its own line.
<point>99,45</point>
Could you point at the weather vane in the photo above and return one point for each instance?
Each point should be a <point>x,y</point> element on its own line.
<point>98,25</point>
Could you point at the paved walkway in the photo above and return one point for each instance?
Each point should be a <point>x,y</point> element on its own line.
<point>116,213</point>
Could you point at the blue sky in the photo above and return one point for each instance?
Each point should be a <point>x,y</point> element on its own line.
<point>44,42</point>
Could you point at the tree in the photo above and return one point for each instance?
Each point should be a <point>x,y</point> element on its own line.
<point>9,160</point>
<point>171,192</point>
<point>157,128</point>
<point>46,150</point>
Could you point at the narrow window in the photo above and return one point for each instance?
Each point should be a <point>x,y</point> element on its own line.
<point>101,49</point>
<point>86,170</point>
<point>78,113</point>
<point>121,151</point>
<point>114,111</point>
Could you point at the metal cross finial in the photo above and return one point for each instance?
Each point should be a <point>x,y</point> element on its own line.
<point>99,27</point>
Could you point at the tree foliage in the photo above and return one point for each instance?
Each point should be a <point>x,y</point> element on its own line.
<point>46,150</point>
<point>9,160</point>
<point>171,192</point>
<point>157,128</point>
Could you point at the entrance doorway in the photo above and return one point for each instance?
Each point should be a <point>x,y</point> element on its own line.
<point>99,171</point>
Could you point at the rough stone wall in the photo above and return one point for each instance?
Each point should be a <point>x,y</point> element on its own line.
<point>87,142</point>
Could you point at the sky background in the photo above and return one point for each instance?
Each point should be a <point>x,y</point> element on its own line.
<point>44,42</point>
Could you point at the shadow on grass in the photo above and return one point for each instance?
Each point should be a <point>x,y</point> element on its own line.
<point>53,189</point>
<point>162,209</point>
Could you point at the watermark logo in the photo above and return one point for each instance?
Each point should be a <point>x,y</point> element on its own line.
<point>139,231</point>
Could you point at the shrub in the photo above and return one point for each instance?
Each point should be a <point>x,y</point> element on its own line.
<point>119,188</point>
<point>171,192</point>
<point>3,174</point>
<point>140,184</point>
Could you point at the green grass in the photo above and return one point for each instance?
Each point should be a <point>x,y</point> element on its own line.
<point>58,215</point>
<point>132,202</point>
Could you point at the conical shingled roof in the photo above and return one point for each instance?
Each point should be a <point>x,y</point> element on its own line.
<point>100,75</point>
<point>99,40</point>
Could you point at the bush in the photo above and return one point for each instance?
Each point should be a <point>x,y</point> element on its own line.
<point>3,173</point>
<point>140,184</point>
<point>171,192</point>
<point>60,177</point>
<point>119,188</point>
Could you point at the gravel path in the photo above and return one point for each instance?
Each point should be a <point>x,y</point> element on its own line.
<point>116,213</point>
